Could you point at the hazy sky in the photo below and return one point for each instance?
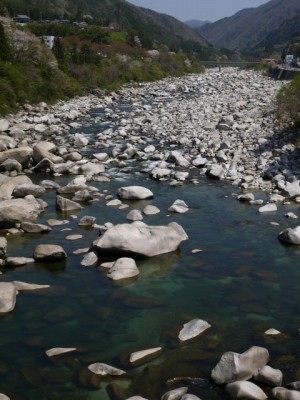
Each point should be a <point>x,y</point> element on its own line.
<point>211,10</point>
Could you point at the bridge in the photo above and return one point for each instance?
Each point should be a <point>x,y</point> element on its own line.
<point>221,64</point>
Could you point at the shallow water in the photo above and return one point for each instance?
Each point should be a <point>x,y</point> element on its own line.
<point>243,282</point>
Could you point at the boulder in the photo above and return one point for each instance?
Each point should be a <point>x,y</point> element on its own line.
<point>30,227</point>
<point>246,197</point>
<point>216,171</point>
<point>87,221</point>
<point>18,210</point>
<point>290,235</point>
<point>63,204</point>
<point>3,248</point>
<point>4,397</point>
<point>8,294</point>
<point>123,268</point>
<point>4,125</point>
<point>179,206</point>
<point>271,207</point>
<point>134,193</point>
<point>89,259</point>
<point>190,396</point>
<point>151,210</point>
<point>18,261</point>
<point>269,376</point>
<point>294,385</point>
<point>235,367</point>
<point>281,393</point>
<point>160,173</point>
<point>141,239</point>
<point>175,157</point>
<point>11,165</point>
<point>24,189</point>
<point>175,394</point>
<point>43,150</point>
<point>245,391</point>
<point>104,369</point>
<point>9,183</point>
<point>57,351</point>
<point>292,189</point>
<point>135,215</point>
<point>24,286</point>
<point>20,154</point>
<point>49,253</point>
<point>192,329</point>
<point>144,355</point>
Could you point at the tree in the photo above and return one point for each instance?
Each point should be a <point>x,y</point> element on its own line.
<point>5,53</point>
<point>3,9</point>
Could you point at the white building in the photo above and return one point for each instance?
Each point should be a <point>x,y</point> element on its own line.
<point>49,41</point>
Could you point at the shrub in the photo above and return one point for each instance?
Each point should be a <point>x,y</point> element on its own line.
<point>288,102</point>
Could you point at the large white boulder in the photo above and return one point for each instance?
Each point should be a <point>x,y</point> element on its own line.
<point>49,253</point>
<point>18,210</point>
<point>280,393</point>
<point>175,157</point>
<point>292,189</point>
<point>179,206</point>
<point>235,367</point>
<point>245,390</point>
<point>269,376</point>
<point>8,294</point>
<point>9,183</point>
<point>290,235</point>
<point>45,150</point>
<point>141,239</point>
<point>134,193</point>
<point>123,268</point>
<point>64,204</point>
<point>192,329</point>
<point>20,154</point>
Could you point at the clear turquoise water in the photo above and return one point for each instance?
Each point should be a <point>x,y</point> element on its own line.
<point>243,282</point>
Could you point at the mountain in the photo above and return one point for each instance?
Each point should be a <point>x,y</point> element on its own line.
<point>196,23</point>
<point>149,25</point>
<point>249,27</point>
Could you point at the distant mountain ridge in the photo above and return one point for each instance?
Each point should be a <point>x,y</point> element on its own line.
<point>196,23</point>
<point>249,27</point>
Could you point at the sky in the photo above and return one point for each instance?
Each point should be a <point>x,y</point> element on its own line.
<point>203,10</point>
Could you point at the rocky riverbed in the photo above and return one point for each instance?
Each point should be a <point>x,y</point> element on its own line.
<point>220,124</point>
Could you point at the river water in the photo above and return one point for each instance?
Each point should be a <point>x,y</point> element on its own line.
<point>243,282</point>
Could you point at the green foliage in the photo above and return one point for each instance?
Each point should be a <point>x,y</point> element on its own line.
<point>5,53</point>
<point>117,37</point>
<point>288,102</point>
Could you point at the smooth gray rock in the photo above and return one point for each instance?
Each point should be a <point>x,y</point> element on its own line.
<point>63,204</point>
<point>8,294</point>
<point>280,393</point>
<point>24,286</point>
<point>175,394</point>
<point>57,351</point>
<point>30,227</point>
<point>134,398</point>
<point>271,207</point>
<point>3,248</point>
<point>179,206</point>
<point>141,355</point>
<point>18,261</point>
<point>25,189</point>
<point>123,268</point>
<point>135,215</point>
<point>175,157</point>
<point>104,369</point>
<point>216,171</point>
<point>294,385</point>
<point>290,235</point>
<point>235,367</point>
<point>4,397</point>
<point>21,154</point>
<point>292,189</point>
<point>134,193</point>
<point>49,253</point>
<point>193,328</point>
<point>269,376</point>
<point>4,125</point>
<point>141,239</point>
<point>45,150</point>
<point>190,396</point>
<point>245,390</point>
<point>18,210</point>
<point>151,210</point>
<point>246,197</point>
<point>89,259</point>
<point>160,173</point>
<point>9,183</point>
<point>11,165</point>
<point>87,221</point>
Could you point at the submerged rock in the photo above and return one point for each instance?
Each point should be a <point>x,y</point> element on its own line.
<point>8,294</point>
<point>144,355</point>
<point>57,351</point>
<point>49,253</point>
<point>290,235</point>
<point>123,268</point>
<point>192,329</point>
<point>104,369</point>
<point>141,239</point>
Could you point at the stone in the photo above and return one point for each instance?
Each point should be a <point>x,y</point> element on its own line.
<point>175,157</point>
<point>235,367</point>
<point>290,235</point>
<point>83,196</point>
<point>18,210</point>
<point>151,210</point>
<point>190,396</point>
<point>114,203</point>
<point>245,391</point>
<point>57,351</point>
<point>134,398</point>
<point>141,239</point>
<point>292,189</point>
<point>49,185</point>
<point>20,154</point>
<point>49,253</point>
<point>216,171</point>
<point>18,261</point>
<point>24,286</point>
<point>123,268</point>
<point>74,237</point>
<point>294,385</point>
<point>4,125</point>
<point>175,394</point>
<point>160,173</point>
<point>134,215</point>
<point>269,376</point>
<point>63,204</point>
<point>144,355</point>
<point>9,183</point>
<point>24,189</point>
<point>87,221</point>
<point>192,329</point>
<point>280,393</point>
<point>179,206</point>
<point>134,193</point>
<point>89,259</point>
<point>270,207</point>
<point>30,227</point>
<point>246,197</point>
<point>8,294</point>
<point>3,248</point>
<point>45,150</point>
<point>105,369</point>
<point>11,165</point>
<point>4,397</point>
<point>199,162</point>
<point>272,331</point>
